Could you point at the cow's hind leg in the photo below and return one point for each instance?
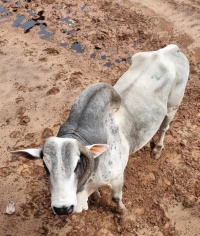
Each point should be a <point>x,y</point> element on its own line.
<point>156,152</point>
<point>117,186</point>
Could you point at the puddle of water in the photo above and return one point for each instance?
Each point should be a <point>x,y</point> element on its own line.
<point>28,25</point>
<point>64,31</point>
<point>108,64</point>
<point>77,47</point>
<point>18,3</point>
<point>63,45</point>
<point>85,5</point>
<point>5,15</point>
<point>103,57</point>
<point>93,55</point>
<point>18,21</point>
<point>73,31</point>
<point>31,13</point>
<point>70,32</point>
<point>43,33</point>
<point>118,60</point>
<point>123,59</point>
<point>2,9</point>
<point>134,45</point>
<point>67,21</point>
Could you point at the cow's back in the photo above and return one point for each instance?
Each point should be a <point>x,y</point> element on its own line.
<point>154,82</point>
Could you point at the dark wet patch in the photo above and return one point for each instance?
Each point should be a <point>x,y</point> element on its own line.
<point>134,45</point>
<point>93,55</point>
<point>101,38</point>
<point>6,1</point>
<point>63,44</point>
<point>118,60</point>
<point>97,47</point>
<point>70,32</point>
<point>85,5</point>
<point>103,57</point>
<point>31,13</point>
<point>31,23</point>
<point>67,21</point>
<point>64,31</point>
<point>6,15</point>
<point>49,1</point>
<point>28,25</point>
<point>2,9</point>
<point>51,51</point>
<point>77,47</point>
<point>27,1</point>
<point>18,20</point>
<point>108,64</point>
<point>18,3</point>
<point>123,59</point>
<point>40,16</point>
<point>73,31</point>
<point>43,33</point>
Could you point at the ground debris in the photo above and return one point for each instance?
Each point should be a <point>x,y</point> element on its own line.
<point>10,208</point>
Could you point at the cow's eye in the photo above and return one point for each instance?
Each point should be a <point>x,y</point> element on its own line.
<point>77,167</point>
<point>46,169</point>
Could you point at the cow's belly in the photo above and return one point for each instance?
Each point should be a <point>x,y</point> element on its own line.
<point>140,122</point>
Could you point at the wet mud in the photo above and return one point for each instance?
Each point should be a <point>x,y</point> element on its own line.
<point>49,52</point>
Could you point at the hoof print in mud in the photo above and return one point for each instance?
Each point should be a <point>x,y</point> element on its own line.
<point>53,91</point>
<point>24,120</point>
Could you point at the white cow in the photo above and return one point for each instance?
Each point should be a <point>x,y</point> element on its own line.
<point>106,124</point>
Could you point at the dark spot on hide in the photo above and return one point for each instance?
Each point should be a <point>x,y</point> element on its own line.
<point>46,169</point>
<point>81,166</point>
<point>110,163</point>
<point>67,157</point>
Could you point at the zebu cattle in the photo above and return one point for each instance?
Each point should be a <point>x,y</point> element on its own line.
<point>106,124</point>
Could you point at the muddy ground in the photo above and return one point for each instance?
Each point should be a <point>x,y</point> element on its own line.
<point>42,71</point>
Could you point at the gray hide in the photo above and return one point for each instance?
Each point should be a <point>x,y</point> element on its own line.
<point>88,115</point>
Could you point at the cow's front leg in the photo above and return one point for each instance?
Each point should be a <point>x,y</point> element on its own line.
<point>117,186</point>
<point>82,201</point>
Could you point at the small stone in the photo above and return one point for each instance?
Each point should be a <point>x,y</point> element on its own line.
<point>10,209</point>
<point>189,201</point>
<point>183,143</point>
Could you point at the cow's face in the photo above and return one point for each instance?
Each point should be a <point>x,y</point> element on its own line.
<point>68,165</point>
<point>64,164</point>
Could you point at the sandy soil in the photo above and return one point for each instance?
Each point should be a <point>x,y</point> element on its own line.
<point>40,79</point>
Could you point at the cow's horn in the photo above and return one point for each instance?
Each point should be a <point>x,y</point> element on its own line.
<point>89,167</point>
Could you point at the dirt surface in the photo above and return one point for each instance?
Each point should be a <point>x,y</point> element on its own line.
<point>41,75</point>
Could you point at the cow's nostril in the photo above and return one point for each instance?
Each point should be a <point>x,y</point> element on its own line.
<point>70,209</point>
<point>64,210</point>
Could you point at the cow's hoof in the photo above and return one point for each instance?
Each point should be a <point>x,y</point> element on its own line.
<point>124,219</point>
<point>156,152</point>
<point>116,199</point>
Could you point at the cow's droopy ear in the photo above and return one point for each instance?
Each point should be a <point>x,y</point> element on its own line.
<point>97,149</point>
<point>32,154</point>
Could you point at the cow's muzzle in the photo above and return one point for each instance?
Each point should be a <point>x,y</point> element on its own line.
<point>63,210</point>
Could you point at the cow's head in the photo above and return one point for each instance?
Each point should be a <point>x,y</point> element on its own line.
<point>68,165</point>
